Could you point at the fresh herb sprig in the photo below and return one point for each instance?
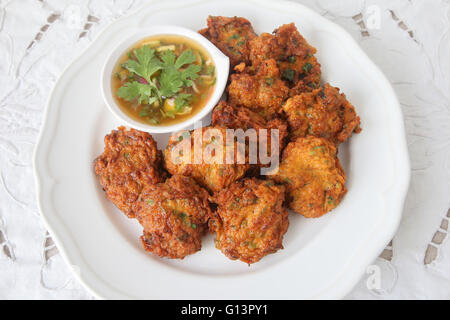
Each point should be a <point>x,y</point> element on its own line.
<point>156,77</point>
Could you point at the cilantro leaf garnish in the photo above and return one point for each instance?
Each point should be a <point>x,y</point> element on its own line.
<point>181,101</point>
<point>172,78</point>
<point>185,58</point>
<point>170,82</point>
<point>136,90</point>
<point>157,76</point>
<point>189,74</point>
<point>145,65</point>
<point>168,57</point>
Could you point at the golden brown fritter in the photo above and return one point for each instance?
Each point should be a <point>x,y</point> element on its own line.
<point>174,215</point>
<point>129,162</point>
<point>294,56</point>
<point>266,47</point>
<point>229,116</point>
<point>231,35</point>
<point>263,92</point>
<point>313,175</point>
<point>250,220</point>
<point>211,171</point>
<point>323,112</point>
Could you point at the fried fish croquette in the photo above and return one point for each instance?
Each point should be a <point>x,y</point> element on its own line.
<point>129,162</point>
<point>324,112</point>
<point>250,221</point>
<point>202,154</point>
<point>174,215</point>
<point>313,176</point>
<point>231,35</point>
<point>294,56</point>
<point>262,93</point>
<point>229,116</point>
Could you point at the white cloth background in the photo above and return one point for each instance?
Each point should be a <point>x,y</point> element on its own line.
<point>408,40</point>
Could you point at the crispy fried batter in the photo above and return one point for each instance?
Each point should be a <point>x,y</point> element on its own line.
<point>294,56</point>
<point>129,162</point>
<point>323,112</point>
<point>231,35</point>
<point>263,92</point>
<point>292,42</point>
<point>265,47</point>
<point>251,221</point>
<point>229,116</point>
<point>174,215</point>
<point>240,67</point>
<point>213,171</point>
<point>313,175</point>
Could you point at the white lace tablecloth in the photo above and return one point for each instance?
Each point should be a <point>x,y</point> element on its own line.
<point>408,40</point>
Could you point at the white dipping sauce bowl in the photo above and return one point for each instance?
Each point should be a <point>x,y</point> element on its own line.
<point>221,62</point>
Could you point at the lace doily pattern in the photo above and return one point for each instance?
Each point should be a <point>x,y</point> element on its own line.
<point>38,38</point>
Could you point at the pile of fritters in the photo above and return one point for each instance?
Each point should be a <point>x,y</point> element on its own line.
<point>275,83</point>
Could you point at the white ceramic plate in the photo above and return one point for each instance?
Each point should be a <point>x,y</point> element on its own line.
<point>323,258</point>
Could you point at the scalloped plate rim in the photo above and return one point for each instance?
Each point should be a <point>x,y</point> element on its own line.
<point>345,282</point>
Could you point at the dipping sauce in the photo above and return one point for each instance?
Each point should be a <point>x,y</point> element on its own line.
<point>163,80</point>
